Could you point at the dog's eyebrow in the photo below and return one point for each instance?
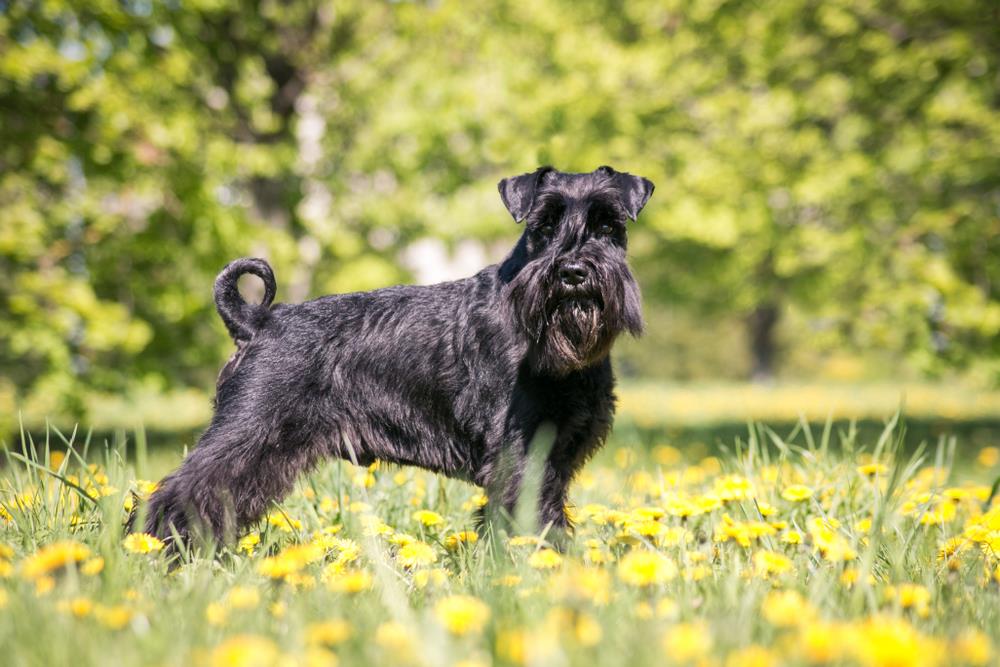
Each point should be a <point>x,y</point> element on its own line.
<point>547,203</point>
<point>606,201</point>
<point>551,197</point>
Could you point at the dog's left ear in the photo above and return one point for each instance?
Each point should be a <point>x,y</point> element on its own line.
<point>518,192</point>
<point>635,190</point>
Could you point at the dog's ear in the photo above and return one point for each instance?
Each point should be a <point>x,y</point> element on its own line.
<point>635,190</point>
<point>518,192</point>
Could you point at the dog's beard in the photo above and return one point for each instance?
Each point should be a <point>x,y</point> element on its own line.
<point>571,329</point>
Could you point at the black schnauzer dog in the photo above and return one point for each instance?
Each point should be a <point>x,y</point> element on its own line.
<point>455,378</point>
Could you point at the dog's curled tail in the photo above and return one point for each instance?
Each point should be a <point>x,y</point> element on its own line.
<point>243,319</point>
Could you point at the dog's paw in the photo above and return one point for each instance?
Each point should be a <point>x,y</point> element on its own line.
<point>167,516</point>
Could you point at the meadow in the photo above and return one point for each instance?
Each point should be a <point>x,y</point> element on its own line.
<point>806,547</point>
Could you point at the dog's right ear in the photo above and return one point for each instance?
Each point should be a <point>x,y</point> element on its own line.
<point>518,192</point>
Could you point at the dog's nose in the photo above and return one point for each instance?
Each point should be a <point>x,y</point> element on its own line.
<point>572,274</point>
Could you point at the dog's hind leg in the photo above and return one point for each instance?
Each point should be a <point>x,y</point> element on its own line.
<point>229,480</point>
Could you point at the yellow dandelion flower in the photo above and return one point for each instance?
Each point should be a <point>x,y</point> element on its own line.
<point>114,617</point>
<point>646,568</point>
<point>988,457</point>
<point>667,608</point>
<point>328,505</point>
<point>545,559</point>
<point>92,566</point>
<point>462,614</point>
<point>521,647</point>
<point>44,585</point>
<point>578,582</point>
<point>597,556</point>
<point>797,493</point>
<point>910,596</point>
<point>888,642</point>
<point>216,614</point>
<point>53,557</point>
<point>290,561</point>
<point>350,582</point>
<point>743,533</point>
<point>328,633</point>
<point>696,572</point>
<point>791,537</point>
<point>328,530</point>
<point>396,638</point>
<point>587,631</point>
<point>433,577</point>
<point>833,546</point>
<point>509,580</point>
<point>820,643</point>
<point>142,543</point>
<point>524,541</point>
<point>646,527</point>
<point>973,647</point>
<point>462,537</point>
<point>648,513</point>
<point>667,455</point>
<point>428,518</point>
<point>401,539</point>
<point>786,609</point>
<point>687,642</point>
<point>872,469</point>
<point>78,606</point>
<point>283,522</point>
<point>478,500</point>
<point>766,563</point>
<point>734,487</point>
<point>242,597</point>
<point>248,543</point>
<point>766,510</point>
<point>416,554</point>
<point>375,526</point>
<point>942,512</point>
<point>244,651</point>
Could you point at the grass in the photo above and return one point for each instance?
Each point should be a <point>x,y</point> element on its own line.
<point>179,415</point>
<point>816,546</point>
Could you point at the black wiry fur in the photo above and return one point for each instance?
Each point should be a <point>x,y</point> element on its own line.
<point>454,378</point>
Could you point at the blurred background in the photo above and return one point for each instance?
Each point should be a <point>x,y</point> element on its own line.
<point>824,237</point>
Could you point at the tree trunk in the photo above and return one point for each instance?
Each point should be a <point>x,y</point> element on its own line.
<point>761,324</point>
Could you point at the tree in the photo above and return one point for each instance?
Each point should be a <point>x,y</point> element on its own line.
<point>832,163</point>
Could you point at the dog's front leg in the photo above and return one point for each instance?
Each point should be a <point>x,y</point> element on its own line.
<point>552,499</point>
<point>579,436</point>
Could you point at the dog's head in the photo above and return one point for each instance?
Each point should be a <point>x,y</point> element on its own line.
<point>567,280</point>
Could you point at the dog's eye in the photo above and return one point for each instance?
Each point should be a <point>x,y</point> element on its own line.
<point>548,229</point>
<point>605,229</point>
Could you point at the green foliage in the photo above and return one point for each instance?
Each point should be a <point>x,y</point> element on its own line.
<point>828,174</point>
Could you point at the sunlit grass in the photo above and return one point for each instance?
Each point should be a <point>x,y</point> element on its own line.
<point>817,549</point>
<point>646,403</point>
<point>657,403</point>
